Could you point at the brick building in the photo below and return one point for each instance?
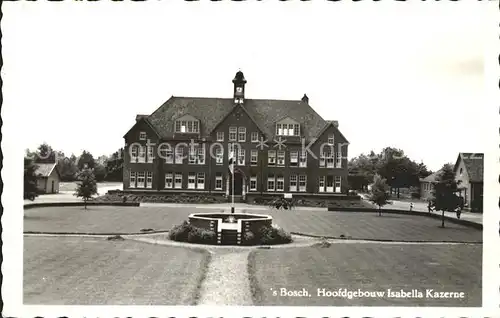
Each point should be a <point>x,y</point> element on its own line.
<point>184,146</point>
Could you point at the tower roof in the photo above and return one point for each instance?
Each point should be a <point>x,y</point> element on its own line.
<point>239,78</point>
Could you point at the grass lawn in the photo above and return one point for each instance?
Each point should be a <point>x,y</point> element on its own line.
<point>369,267</point>
<point>90,271</point>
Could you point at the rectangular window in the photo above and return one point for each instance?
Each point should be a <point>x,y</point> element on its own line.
<point>191,180</point>
<point>302,183</point>
<point>142,135</point>
<point>189,126</point>
<point>330,139</point>
<point>329,183</point>
<point>303,159</point>
<point>281,158</point>
<point>179,154</point>
<point>178,180</point>
<point>279,131</point>
<point>133,155</point>
<point>254,137</point>
<point>169,180</point>
<point>183,126</point>
<point>132,179</point>
<point>196,127</point>
<point>293,183</point>
<point>141,179</point>
<point>220,136</point>
<point>253,183</point>
<point>242,134</point>
<point>322,184</point>
<point>218,181</point>
<point>232,133</point>
<point>200,181</point>
<point>290,130</point>
<point>169,155</point>
<point>193,150</point>
<point>241,157</point>
<point>177,126</point>
<point>284,129</point>
<point>219,155</point>
<point>271,157</point>
<point>151,154</point>
<point>280,183</point>
<point>294,158</point>
<point>296,130</point>
<point>339,157</point>
<point>322,159</point>
<point>270,183</point>
<point>201,154</point>
<point>338,188</point>
<point>329,160</point>
<point>149,180</point>
<point>142,154</point>
<point>254,155</point>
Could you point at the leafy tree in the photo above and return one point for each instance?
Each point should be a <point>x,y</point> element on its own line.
<point>362,169</point>
<point>86,159</point>
<point>45,154</point>
<point>444,193</point>
<point>29,179</point>
<point>379,192</point>
<point>114,166</point>
<point>87,185</point>
<point>68,167</point>
<point>100,172</point>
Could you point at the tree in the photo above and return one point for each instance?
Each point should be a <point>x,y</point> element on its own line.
<point>67,167</point>
<point>100,172</point>
<point>87,186</point>
<point>45,154</point>
<point>29,179</point>
<point>379,192</point>
<point>362,169</point>
<point>86,159</point>
<point>445,189</point>
<point>114,166</point>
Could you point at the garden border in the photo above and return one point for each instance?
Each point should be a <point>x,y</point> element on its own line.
<point>90,203</point>
<point>475,225</point>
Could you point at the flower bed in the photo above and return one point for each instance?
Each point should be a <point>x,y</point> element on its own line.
<point>161,198</point>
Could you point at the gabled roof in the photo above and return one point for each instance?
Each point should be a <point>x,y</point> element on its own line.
<point>230,112</point>
<point>329,123</point>
<point>45,169</point>
<point>432,177</point>
<point>139,119</point>
<point>474,164</point>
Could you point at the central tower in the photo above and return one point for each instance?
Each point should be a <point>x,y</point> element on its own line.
<point>239,82</point>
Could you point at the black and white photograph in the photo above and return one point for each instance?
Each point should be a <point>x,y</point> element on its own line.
<point>250,158</point>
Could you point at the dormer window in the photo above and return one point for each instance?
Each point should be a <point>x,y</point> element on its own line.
<point>288,129</point>
<point>142,135</point>
<point>187,125</point>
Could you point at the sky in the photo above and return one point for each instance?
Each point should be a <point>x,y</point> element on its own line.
<point>393,74</point>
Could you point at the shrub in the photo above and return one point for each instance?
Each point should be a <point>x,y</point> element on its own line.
<point>185,232</point>
<point>270,235</point>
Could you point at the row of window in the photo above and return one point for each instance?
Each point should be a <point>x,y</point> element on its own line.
<point>297,183</point>
<point>428,186</point>
<point>238,134</point>
<point>197,156</point>
<point>187,126</point>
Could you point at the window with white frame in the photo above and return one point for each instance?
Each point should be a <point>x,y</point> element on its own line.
<point>132,179</point>
<point>270,183</point>
<point>178,180</point>
<point>294,158</point>
<point>220,136</point>
<point>201,154</point>
<point>187,126</point>
<point>169,155</point>
<point>133,154</point>
<point>232,133</point>
<point>219,155</point>
<point>142,135</point>
<point>141,179</point>
<point>279,130</point>
<point>200,181</point>
<point>321,184</point>
<point>254,155</point>
<point>169,180</point>
<point>242,134</point>
<point>151,154</point>
<point>254,137</point>
<point>302,183</point>
<point>338,187</point>
<point>241,157</point>
<point>330,139</point>
<point>329,183</point>
<point>179,154</point>
<point>193,152</point>
<point>218,181</point>
<point>339,157</point>
<point>296,130</point>
<point>288,129</point>
<point>303,159</point>
<point>149,179</point>
<point>280,183</point>
<point>326,159</point>
<point>329,160</point>
<point>281,158</point>
<point>142,154</point>
<point>253,183</point>
<point>192,180</point>
<point>293,183</point>
<point>271,157</point>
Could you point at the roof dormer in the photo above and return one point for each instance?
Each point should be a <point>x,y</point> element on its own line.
<point>287,127</point>
<point>187,124</point>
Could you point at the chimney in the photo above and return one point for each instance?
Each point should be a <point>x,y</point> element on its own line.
<point>305,99</point>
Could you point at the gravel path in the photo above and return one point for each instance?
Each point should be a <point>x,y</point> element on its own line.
<point>226,282</point>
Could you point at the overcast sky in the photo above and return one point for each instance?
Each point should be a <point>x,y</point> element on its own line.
<point>392,74</point>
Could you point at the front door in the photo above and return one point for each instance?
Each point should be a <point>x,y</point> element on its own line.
<point>53,187</point>
<point>238,184</point>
